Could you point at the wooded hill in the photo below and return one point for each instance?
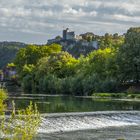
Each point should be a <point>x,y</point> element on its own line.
<point>8,52</point>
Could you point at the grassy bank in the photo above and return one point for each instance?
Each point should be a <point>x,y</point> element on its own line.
<point>117,95</point>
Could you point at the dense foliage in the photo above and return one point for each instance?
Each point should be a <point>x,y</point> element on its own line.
<point>51,70</point>
<point>129,57</point>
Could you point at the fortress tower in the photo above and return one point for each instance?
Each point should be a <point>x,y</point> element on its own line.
<point>68,35</point>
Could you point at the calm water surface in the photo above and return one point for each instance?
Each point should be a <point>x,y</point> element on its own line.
<point>58,104</point>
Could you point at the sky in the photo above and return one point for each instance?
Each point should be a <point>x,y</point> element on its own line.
<point>36,21</point>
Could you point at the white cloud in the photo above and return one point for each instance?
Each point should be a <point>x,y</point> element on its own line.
<point>93,13</point>
<point>127,18</point>
<point>36,17</point>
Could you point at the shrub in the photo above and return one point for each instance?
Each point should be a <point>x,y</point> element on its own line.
<point>50,84</point>
<point>3,96</point>
<point>107,86</point>
<point>131,96</point>
<point>110,95</point>
<point>27,83</point>
<point>21,125</point>
<point>131,90</point>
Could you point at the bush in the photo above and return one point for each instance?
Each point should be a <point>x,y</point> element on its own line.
<point>136,96</point>
<point>50,84</point>
<point>107,85</point>
<point>132,90</point>
<point>110,95</point>
<point>67,86</point>
<point>130,96</point>
<point>77,85</point>
<point>27,83</point>
<point>3,96</point>
<point>21,125</point>
<point>102,95</point>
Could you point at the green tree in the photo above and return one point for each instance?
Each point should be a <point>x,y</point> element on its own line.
<point>31,54</point>
<point>101,62</point>
<point>111,41</point>
<point>61,65</point>
<point>129,57</point>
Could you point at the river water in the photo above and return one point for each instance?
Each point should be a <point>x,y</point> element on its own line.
<point>78,118</point>
<point>60,104</point>
<point>112,133</point>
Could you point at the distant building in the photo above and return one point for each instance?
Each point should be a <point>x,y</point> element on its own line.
<point>78,37</point>
<point>69,40</point>
<point>68,35</point>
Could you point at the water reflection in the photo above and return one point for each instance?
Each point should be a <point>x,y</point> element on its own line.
<point>53,104</point>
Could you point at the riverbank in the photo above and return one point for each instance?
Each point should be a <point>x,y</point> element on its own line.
<point>117,95</point>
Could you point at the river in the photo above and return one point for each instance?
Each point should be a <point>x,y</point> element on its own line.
<point>82,118</point>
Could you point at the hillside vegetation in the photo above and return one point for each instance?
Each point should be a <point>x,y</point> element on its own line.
<point>8,52</point>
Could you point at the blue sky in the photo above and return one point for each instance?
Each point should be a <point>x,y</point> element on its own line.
<point>36,21</point>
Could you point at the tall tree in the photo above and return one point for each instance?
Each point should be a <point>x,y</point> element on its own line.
<point>129,57</point>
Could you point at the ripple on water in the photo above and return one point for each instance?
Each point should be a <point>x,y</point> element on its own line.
<point>82,121</point>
